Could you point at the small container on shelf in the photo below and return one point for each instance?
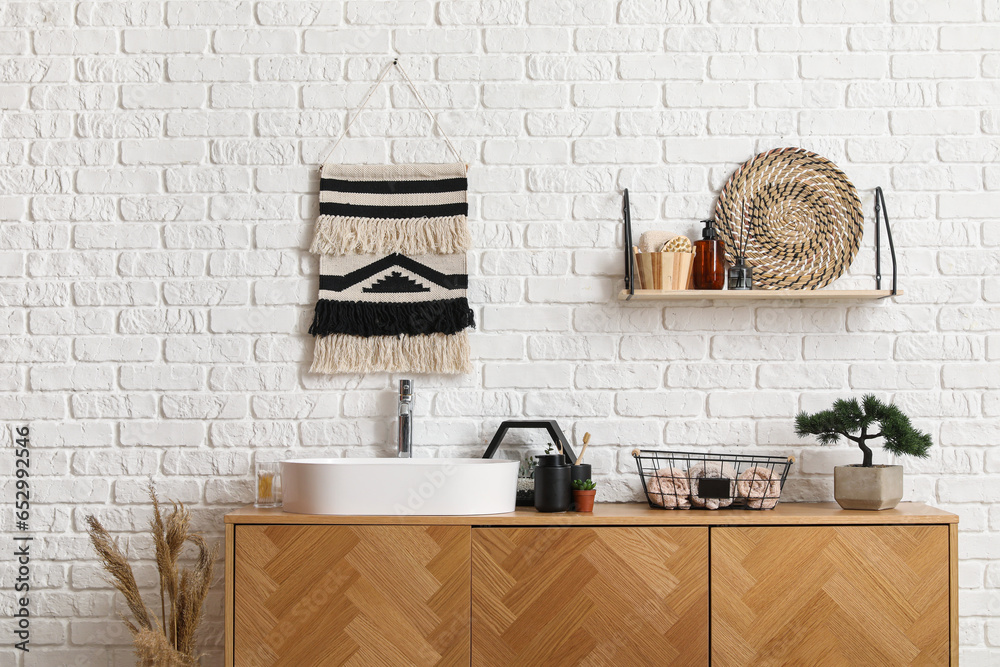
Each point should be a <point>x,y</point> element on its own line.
<point>664,270</point>
<point>740,275</point>
<point>710,259</point>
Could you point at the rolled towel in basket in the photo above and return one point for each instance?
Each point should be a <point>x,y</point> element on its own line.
<point>711,470</point>
<point>760,486</point>
<point>669,488</point>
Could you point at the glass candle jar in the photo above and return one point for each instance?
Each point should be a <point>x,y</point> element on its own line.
<point>268,477</point>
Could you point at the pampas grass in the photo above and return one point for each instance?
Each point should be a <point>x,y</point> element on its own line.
<point>167,641</point>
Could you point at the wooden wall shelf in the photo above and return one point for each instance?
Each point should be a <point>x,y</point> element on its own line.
<point>757,295</point>
<point>631,293</point>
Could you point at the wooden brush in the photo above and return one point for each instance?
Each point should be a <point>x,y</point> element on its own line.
<point>586,441</point>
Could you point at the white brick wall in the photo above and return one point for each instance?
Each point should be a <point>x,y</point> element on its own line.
<point>157,180</point>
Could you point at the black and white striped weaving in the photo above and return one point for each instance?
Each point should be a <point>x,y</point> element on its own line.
<point>392,290</point>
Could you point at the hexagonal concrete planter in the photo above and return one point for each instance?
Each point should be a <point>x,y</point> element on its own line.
<point>875,488</point>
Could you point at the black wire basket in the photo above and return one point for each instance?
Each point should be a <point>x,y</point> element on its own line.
<point>686,480</point>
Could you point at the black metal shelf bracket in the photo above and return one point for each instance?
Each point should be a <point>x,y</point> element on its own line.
<point>882,213</point>
<point>629,259</point>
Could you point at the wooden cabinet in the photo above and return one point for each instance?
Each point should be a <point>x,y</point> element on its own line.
<point>598,596</point>
<point>803,584</point>
<point>358,595</point>
<point>831,595</point>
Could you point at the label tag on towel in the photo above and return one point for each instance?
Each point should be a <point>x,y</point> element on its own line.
<point>714,487</point>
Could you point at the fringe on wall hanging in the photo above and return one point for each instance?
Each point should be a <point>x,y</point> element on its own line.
<point>392,287</point>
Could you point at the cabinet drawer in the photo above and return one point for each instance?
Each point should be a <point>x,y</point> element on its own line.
<point>366,595</point>
<point>830,595</point>
<point>597,596</point>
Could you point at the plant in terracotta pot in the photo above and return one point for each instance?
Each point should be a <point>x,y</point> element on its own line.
<point>866,486</point>
<point>584,491</point>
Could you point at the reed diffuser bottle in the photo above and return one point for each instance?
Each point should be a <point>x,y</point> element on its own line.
<point>709,259</point>
<point>740,274</point>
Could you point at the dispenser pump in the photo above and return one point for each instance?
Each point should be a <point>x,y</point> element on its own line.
<point>709,232</point>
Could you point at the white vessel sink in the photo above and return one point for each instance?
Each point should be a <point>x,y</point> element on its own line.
<point>438,487</point>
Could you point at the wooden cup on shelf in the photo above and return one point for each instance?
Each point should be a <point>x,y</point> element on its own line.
<point>664,270</point>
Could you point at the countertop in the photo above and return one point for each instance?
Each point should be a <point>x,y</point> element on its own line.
<point>625,514</point>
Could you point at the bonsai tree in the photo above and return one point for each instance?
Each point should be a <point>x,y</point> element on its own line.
<point>854,420</point>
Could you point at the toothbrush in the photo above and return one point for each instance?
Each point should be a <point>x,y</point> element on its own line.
<point>586,441</point>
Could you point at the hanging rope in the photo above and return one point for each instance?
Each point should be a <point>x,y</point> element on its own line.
<point>368,96</point>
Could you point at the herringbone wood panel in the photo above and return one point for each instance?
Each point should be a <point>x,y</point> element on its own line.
<point>848,595</point>
<point>351,595</point>
<point>590,596</point>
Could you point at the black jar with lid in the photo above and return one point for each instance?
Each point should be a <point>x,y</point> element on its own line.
<point>553,481</point>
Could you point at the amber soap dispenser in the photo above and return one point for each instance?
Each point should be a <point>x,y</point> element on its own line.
<point>709,259</point>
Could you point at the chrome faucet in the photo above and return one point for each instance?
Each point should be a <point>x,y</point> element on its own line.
<point>404,433</point>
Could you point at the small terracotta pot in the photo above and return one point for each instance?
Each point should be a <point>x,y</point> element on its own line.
<point>584,500</point>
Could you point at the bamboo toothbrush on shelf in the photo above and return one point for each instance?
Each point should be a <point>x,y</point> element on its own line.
<point>586,441</point>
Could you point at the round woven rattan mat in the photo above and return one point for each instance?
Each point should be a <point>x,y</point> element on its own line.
<point>794,216</point>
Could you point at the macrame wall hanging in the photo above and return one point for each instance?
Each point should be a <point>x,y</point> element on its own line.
<point>392,287</point>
